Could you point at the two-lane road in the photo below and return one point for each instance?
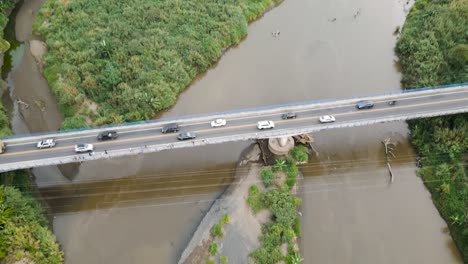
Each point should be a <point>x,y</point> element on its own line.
<point>23,153</point>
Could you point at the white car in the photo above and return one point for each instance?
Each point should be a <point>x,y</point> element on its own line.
<point>46,143</point>
<point>327,119</point>
<point>265,124</point>
<point>218,123</point>
<point>80,148</point>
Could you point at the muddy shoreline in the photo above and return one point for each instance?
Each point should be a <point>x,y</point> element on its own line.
<point>241,234</point>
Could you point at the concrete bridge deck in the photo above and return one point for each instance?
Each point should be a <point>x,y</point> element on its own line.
<point>146,137</point>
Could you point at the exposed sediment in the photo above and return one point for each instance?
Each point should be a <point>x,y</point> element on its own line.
<point>241,234</point>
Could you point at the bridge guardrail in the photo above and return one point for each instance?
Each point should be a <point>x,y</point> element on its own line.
<point>218,140</point>
<point>242,112</point>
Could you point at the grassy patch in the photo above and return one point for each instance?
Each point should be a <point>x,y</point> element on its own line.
<point>116,53</point>
<point>432,50</point>
<point>224,259</point>
<point>217,230</point>
<point>213,249</point>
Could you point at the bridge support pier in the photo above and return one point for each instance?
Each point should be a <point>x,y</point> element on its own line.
<point>280,146</point>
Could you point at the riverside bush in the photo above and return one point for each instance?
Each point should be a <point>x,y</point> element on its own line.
<point>224,259</point>
<point>24,233</point>
<point>267,176</point>
<point>254,200</point>
<point>225,219</point>
<point>299,153</point>
<point>432,51</point>
<point>217,230</point>
<point>134,57</point>
<point>213,249</point>
<point>291,172</point>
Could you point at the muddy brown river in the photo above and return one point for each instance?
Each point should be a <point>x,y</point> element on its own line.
<point>143,209</point>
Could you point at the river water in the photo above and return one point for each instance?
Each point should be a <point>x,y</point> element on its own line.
<point>143,209</point>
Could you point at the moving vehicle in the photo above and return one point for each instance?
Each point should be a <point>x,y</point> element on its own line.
<point>106,135</point>
<point>186,136</point>
<point>364,105</point>
<point>2,147</point>
<point>218,122</point>
<point>170,128</point>
<point>80,148</point>
<point>327,119</point>
<point>392,102</point>
<point>46,143</point>
<point>265,125</point>
<point>288,115</point>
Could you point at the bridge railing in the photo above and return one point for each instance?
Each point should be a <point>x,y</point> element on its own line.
<point>186,118</point>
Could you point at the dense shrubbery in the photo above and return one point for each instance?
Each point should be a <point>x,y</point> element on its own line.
<point>24,234</point>
<point>134,57</point>
<point>5,7</point>
<point>433,51</point>
<point>285,225</point>
<point>299,153</point>
<point>267,176</point>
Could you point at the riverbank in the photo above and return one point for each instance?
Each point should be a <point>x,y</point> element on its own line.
<point>241,234</point>
<point>252,221</point>
<point>432,50</point>
<point>166,45</point>
<point>25,236</point>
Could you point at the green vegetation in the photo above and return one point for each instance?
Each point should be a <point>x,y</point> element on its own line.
<point>285,224</point>
<point>225,219</point>
<point>217,230</point>
<point>254,199</point>
<point>5,7</point>
<point>224,259</point>
<point>24,234</point>
<point>213,249</point>
<point>116,53</point>
<point>210,261</point>
<point>433,50</point>
<point>291,172</point>
<point>299,153</point>
<point>267,176</point>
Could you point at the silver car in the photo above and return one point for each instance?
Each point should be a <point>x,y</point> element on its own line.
<point>46,143</point>
<point>265,125</point>
<point>218,123</point>
<point>80,148</point>
<point>327,119</point>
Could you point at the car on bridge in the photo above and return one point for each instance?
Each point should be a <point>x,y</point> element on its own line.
<point>218,122</point>
<point>2,147</point>
<point>265,125</point>
<point>107,135</point>
<point>80,148</point>
<point>289,115</point>
<point>327,119</point>
<point>186,136</point>
<point>46,143</point>
<point>170,128</point>
<point>364,105</point>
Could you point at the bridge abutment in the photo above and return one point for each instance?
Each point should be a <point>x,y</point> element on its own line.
<point>280,146</point>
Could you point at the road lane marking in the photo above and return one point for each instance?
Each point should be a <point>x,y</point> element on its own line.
<point>237,127</point>
<point>410,97</point>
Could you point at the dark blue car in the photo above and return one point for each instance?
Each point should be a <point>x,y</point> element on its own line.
<point>364,105</point>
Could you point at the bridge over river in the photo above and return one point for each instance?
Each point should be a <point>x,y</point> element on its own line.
<point>145,137</point>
